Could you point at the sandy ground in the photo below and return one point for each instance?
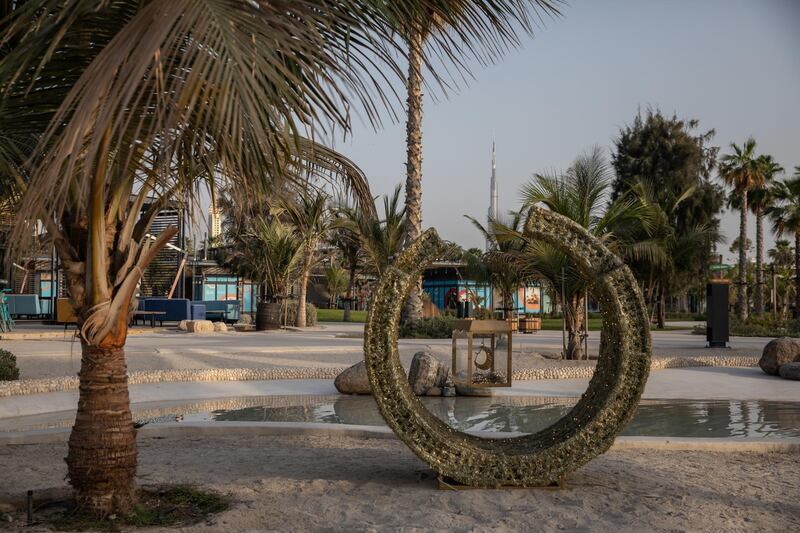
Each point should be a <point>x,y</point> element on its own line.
<point>344,484</point>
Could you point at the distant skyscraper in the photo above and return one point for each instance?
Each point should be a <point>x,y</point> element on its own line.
<point>214,221</point>
<point>492,215</point>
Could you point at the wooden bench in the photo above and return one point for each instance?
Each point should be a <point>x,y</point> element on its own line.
<point>152,314</point>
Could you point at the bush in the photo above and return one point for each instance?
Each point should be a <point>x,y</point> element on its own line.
<point>8,366</point>
<point>765,326</point>
<point>291,313</point>
<point>438,327</point>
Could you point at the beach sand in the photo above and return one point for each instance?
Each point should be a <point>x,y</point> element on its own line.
<point>314,483</point>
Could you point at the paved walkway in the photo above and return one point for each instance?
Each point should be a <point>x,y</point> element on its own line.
<point>333,344</point>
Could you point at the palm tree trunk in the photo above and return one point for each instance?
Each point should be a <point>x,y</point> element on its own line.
<point>797,274</point>
<point>758,296</point>
<point>350,290</point>
<point>412,311</point>
<point>101,460</point>
<point>300,319</point>
<point>573,316</point>
<point>661,316</point>
<point>741,294</point>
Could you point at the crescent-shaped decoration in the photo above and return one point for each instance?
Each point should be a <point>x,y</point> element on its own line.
<point>542,458</point>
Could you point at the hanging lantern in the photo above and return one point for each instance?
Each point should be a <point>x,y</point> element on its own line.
<point>477,359</point>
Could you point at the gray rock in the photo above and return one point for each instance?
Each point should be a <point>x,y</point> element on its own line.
<point>426,372</point>
<point>353,380</point>
<point>777,353</point>
<point>182,325</point>
<point>790,371</point>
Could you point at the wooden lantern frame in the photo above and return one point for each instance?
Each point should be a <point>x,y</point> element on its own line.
<point>467,329</point>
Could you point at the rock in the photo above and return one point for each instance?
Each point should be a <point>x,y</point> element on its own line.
<point>182,325</point>
<point>220,326</point>
<point>449,392</point>
<point>353,380</point>
<point>7,508</point>
<point>245,319</point>
<point>790,371</point>
<point>434,391</point>
<point>779,352</point>
<point>199,326</point>
<point>426,371</point>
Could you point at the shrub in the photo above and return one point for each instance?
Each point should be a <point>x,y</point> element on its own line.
<point>291,313</point>
<point>438,327</point>
<point>8,366</point>
<point>765,326</point>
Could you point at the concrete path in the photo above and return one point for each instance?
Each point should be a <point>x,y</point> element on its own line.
<point>331,345</point>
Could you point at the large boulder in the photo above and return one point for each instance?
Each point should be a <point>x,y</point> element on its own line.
<point>220,327</point>
<point>353,380</point>
<point>182,325</point>
<point>790,371</point>
<point>777,353</point>
<point>426,372</point>
<point>199,326</point>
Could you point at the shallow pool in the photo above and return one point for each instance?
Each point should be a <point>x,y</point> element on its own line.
<point>519,414</point>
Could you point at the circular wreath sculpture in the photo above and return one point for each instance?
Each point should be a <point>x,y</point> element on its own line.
<point>539,459</point>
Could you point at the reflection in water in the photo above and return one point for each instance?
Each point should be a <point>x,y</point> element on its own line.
<point>501,414</point>
<point>713,418</point>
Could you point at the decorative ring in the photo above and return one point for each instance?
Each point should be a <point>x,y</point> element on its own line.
<point>541,458</point>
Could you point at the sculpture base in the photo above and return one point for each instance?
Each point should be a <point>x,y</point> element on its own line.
<point>446,483</point>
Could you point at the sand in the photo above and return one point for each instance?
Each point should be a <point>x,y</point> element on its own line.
<point>347,484</point>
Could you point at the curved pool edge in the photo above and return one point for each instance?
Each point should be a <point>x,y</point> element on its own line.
<point>238,429</point>
<point>70,383</point>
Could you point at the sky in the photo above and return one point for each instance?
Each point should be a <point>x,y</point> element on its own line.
<point>732,64</point>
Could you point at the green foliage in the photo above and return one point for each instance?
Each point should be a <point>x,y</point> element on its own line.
<point>8,366</point>
<point>291,313</point>
<point>437,327</point>
<point>663,161</point>
<point>337,315</point>
<point>765,326</point>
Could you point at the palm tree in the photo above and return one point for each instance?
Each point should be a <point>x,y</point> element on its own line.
<point>782,259</point>
<point>742,171</point>
<point>347,241</point>
<point>416,31</point>
<point>382,239</point>
<point>272,254</point>
<point>311,217</point>
<point>664,253</point>
<point>335,283</point>
<point>231,86</point>
<point>502,272</point>
<point>785,216</point>
<point>759,198</point>
<point>582,195</point>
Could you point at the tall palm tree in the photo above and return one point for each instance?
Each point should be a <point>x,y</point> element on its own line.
<point>785,216</point>
<point>416,31</point>
<point>231,85</point>
<point>741,170</point>
<point>310,215</point>
<point>782,260</point>
<point>759,198</point>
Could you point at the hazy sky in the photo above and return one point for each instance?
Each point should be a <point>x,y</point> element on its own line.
<point>734,65</point>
